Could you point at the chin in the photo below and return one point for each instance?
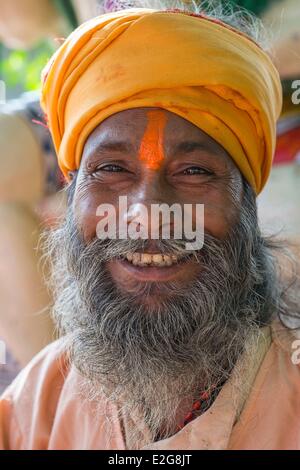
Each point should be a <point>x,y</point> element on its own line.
<point>150,294</point>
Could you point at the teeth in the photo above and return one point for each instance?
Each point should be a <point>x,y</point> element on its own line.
<point>136,259</point>
<point>168,260</point>
<point>147,259</point>
<point>157,260</point>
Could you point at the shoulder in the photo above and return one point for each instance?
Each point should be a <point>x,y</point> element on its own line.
<point>30,402</point>
<point>285,363</point>
<point>48,367</point>
<point>286,340</point>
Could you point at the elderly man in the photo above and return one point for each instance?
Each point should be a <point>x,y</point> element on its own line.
<point>164,347</point>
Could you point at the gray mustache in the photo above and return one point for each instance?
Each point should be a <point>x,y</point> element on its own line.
<point>109,249</point>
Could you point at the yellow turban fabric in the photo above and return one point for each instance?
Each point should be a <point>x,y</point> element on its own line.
<point>199,69</point>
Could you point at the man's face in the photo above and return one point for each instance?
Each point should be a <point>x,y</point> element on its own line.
<point>152,337</point>
<point>153,156</point>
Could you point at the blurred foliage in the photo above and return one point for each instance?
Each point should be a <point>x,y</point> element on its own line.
<point>65,7</point>
<point>21,69</point>
<point>255,6</point>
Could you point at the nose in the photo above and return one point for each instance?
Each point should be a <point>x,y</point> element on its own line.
<point>151,193</point>
<point>152,188</point>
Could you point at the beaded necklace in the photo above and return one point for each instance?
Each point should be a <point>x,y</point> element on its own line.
<point>199,406</point>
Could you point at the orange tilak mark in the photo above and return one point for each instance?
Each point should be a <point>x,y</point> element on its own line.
<point>151,148</point>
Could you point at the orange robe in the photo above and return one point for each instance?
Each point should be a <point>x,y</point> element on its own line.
<point>44,407</point>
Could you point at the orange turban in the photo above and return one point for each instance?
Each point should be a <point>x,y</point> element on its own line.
<point>197,68</point>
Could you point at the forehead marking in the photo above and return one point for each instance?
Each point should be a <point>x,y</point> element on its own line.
<point>151,150</point>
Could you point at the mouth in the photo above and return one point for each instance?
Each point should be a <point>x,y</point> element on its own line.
<point>154,259</point>
<point>152,267</point>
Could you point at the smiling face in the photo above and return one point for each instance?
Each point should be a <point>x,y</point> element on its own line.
<point>140,328</point>
<point>153,156</point>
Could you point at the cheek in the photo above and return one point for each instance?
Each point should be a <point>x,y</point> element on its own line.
<point>216,222</point>
<point>84,210</point>
<point>221,212</point>
<point>87,198</point>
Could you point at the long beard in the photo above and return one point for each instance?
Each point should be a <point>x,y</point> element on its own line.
<point>149,358</point>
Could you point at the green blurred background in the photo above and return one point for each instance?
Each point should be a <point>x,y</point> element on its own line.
<point>20,69</point>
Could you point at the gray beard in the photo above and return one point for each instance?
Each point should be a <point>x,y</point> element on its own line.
<point>150,358</point>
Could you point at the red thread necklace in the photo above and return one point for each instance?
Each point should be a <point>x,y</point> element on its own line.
<point>200,405</point>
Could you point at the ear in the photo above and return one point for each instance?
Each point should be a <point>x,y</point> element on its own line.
<point>72,175</point>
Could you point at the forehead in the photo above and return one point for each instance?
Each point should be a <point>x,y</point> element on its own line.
<point>130,125</point>
<point>134,121</point>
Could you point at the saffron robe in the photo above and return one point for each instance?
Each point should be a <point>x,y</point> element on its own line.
<point>44,408</point>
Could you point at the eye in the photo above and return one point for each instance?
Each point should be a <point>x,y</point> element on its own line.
<point>111,168</point>
<point>196,170</point>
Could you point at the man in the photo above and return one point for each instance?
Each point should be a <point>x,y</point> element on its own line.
<point>164,347</point>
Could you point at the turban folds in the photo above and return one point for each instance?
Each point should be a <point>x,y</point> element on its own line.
<point>197,68</point>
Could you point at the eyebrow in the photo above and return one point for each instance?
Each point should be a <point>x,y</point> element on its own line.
<point>126,147</point>
<point>114,146</point>
<point>191,146</point>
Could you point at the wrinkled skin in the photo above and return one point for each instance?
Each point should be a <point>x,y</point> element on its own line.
<point>190,167</point>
